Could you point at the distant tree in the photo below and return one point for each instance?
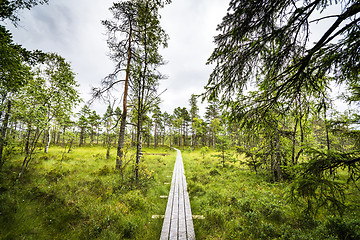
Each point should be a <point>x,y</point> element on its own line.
<point>156,119</point>
<point>94,121</point>
<point>200,127</point>
<point>194,110</point>
<point>108,121</point>
<point>181,121</point>
<point>167,118</point>
<point>83,123</point>
<point>212,114</point>
<point>223,144</point>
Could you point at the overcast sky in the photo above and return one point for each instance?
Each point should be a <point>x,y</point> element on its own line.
<point>73,30</point>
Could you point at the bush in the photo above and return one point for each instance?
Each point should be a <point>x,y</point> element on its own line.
<point>342,229</point>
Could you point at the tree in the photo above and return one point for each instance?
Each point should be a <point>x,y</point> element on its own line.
<point>14,64</point>
<point>147,60</point>
<point>157,121</point>
<point>107,119</point>
<point>83,123</point>
<point>121,42</point>
<point>134,36</point>
<point>168,122</point>
<point>60,87</point>
<point>212,115</point>
<point>94,121</point>
<point>267,43</point>
<point>223,145</point>
<point>49,94</point>
<point>194,110</point>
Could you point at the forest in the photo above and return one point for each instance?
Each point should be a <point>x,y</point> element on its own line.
<point>273,157</point>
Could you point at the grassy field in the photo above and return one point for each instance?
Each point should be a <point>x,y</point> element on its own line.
<point>79,196</point>
<point>239,204</point>
<point>82,197</point>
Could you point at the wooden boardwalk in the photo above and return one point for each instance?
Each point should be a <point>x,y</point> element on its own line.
<point>178,223</point>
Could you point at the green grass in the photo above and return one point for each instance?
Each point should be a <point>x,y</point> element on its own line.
<point>83,197</point>
<point>239,204</point>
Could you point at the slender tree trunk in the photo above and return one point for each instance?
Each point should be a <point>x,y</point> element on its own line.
<point>301,139</point>
<point>97,136</point>
<point>294,143</point>
<point>170,138</point>
<point>92,134</point>
<point>119,154</point>
<point>108,140</point>
<point>138,145</point>
<point>27,140</point>
<point>29,154</point>
<point>81,140</point>
<point>71,142</point>
<point>3,132</point>
<point>277,173</point>
<point>327,132</point>
<point>58,137</point>
<point>48,140</point>
<point>155,134</point>
<point>54,134</point>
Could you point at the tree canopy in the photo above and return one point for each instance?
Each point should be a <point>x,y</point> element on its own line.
<point>269,43</point>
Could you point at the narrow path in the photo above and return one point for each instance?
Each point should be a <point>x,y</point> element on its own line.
<point>178,223</point>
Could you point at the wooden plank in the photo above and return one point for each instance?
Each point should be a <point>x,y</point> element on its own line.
<point>178,223</point>
<point>188,215</point>
<point>167,219</point>
<point>182,219</point>
<point>175,211</point>
<point>189,221</point>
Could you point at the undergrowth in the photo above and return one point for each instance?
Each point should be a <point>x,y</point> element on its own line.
<point>81,196</point>
<point>239,204</point>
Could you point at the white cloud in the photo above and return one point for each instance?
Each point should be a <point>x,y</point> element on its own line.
<point>73,29</point>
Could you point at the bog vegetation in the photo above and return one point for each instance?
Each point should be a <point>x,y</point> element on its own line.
<point>276,162</point>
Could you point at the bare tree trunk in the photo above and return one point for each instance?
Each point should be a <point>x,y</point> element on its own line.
<point>155,134</point>
<point>29,153</point>
<point>108,140</point>
<point>97,136</point>
<point>71,142</point>
<point>81,140</point>
<point>170,138</point>
<point>276,158</point>
<point>27,140</point>
<point>138,146</point>
<point>48,140</point>
<point>119,154</point>
<point>3,132</point>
